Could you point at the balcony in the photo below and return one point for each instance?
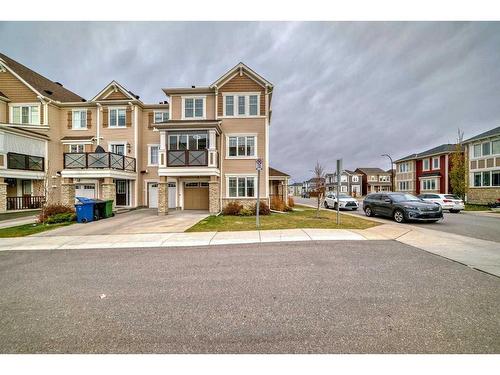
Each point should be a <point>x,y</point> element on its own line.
<point>26,202</point>
<point>25,162</point>
<point>187,158</point>
<point>99,160</point>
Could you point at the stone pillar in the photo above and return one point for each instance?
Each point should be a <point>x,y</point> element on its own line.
<point>163,196</point>
<point>213,195</point>
<point>68,192</point>
<point>108,190</point>
<point>3,195</point>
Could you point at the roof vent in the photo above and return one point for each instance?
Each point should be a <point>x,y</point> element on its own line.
<point>48,92</point>
<point>59,83</point>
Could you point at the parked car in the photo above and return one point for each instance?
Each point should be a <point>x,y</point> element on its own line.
<point>448,202</point>
<point>401,207</point>
<point>346,202</point>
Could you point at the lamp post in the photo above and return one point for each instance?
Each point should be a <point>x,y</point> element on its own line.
<point>392,170</point>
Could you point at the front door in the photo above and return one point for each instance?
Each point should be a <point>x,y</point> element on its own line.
<point>153,194</point>
<point>122,190</point>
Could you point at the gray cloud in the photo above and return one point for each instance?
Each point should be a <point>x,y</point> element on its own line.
<point>342,89</point>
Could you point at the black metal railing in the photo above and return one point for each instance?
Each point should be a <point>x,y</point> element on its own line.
<point>25,162</point>
<point>100,160</point>
<point>187,158</point>
<point>25,203</point>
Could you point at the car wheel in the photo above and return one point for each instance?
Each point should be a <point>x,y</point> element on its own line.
<point>326,204</point>
<point>399,216</point>
<point>368,212</point>
<point>355,209</point>
<point>335,206</point>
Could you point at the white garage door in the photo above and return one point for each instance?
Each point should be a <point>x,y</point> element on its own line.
<point>153,195</point>
<point>85,190</point>
<point>172,192</point>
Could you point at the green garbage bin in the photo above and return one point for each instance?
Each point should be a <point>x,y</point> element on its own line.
<point>108,209</point>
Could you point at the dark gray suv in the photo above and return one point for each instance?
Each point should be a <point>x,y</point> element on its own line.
<point>401,207</point>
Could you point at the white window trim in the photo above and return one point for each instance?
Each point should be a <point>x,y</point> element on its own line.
<point>423,165</point>
<point>76,144</point>
<point>35,104</point>
<point>154,115</point>
<point>439,162</point>
<point>167,146</point>
<point>241,135</point>
<point>114,143</point>
<point>72,118</point>
<point>436,179</point>
<point>109,118</point>
<point>183,114</point>
<point>355,179</point>
<point>149,155</point>
<point>235,104</point>
<point>236,175</point>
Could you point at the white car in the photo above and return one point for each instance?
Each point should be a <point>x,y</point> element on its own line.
<point>347,202</point>
<point>448,202</point>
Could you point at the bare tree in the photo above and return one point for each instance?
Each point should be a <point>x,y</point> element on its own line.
<point>458,171</point>
<point>319,180</point>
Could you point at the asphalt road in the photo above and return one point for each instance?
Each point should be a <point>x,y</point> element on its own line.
<point>324,297</point>
<point>464,223</point>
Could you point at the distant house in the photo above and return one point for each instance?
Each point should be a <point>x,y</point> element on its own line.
<point>482,154</point>
<point>312,185</point>
<point>374,180</point>
<point>295,189</point>
<point>278,184</point>
<point>350,182</point>
<point>425,172</point>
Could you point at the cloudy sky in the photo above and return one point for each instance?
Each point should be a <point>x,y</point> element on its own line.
<point>342,90</point>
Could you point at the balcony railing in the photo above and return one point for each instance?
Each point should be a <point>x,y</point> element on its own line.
<point>25,162</point>
<point>25,203</point>
<point>99,160</point>
<point>187,158</point>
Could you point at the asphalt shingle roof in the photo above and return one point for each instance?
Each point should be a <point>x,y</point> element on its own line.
<point>444,148</point>
<point>371,170</point>
<point>489,133</point>
<point>275,172</point>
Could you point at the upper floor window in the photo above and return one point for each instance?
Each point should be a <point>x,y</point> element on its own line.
<point>76,148</point>
<point>404,167</point>
<point>247,105</point>
<point>26,114</point>
<point>79,120</point>
<point>160,117</point>
<point>355,179</point>
<point>118,148</point>
<point>486,148</point>
<point>384,178</point>
<point>194,107</point>
<point>425,164</point>
<point>153,154</point>
<point>188,141</point>
<point>435,163</point>
<point>495,147</point>
<point>117,117</point>
<point>343,178</point>
<point>241,146</point>
<point>373,178</point>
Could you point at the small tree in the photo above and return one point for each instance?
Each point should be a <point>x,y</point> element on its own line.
<point>319,177</point>
<point>458,172</point>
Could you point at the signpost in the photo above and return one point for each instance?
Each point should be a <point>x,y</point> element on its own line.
<point>258,167</point>
<point>339,172</point>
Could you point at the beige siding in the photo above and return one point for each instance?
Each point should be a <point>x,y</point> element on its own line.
<point>242,84</point>
<point>176,103</point>
<point>3,112</point>
<point>15,90</point>
<point>63,119</point>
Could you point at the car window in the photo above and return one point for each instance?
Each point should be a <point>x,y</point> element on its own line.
<point>374,197</point>
<point>434,196</point>
<point>451,197</point>
<point>422,196</point>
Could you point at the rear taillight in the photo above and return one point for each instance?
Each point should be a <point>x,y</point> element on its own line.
<point>447,201</point>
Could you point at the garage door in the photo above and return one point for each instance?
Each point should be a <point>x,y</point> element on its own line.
<point>85,190</point>
<point>196,196</point>
<point>153,194</point>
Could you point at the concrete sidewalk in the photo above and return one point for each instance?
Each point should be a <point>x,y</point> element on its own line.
<point>18,221</point>
<point>475,253</point>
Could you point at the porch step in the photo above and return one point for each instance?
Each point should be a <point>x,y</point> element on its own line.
<point>122,210</point>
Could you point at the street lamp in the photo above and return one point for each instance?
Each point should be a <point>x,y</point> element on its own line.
<point>392,171</point>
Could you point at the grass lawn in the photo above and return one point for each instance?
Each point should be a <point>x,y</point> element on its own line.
<point>302,217</point>
<point>476,207</point>
<point>27,229</point>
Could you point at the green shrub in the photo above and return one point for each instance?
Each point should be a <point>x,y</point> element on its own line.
<point>54,209</point>
<point>246,212</point>
<point>232,209</point>
<point>65,217</point>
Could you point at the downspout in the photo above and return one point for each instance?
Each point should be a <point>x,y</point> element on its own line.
<point>98,125</point>
<point>220,150</point>
<point>136,154</point>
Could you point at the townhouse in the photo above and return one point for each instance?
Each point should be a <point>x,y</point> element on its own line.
<point>295,189</point>
<point>197,149</point>
<point>374,180</point>
<point>426,172</point>
<point>350,182</point>
<point>482,153</point>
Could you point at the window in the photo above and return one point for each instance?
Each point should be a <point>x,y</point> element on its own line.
<point>118,148</point>
<point>343,178</point>
<point>477,151</point>
<point>477,179</point>
<point>160,117</point>
<point>117,117</point>
<point>404,185</point>
<point>76,148</point>
<point>404,167</point>
<point>355,179</point>
<point>495,147</point>
<point>253,105</point>
<point>486,148</point>
<point>79,120</point>
<point>194,107</point>
<point>29,114</point>
<point>343,189</point>
<point>247,105</point>
<point>435,163</point>
<point>191,141</point>
<point>241,105</point>
<point>384,178</point>
<point>153,154</point>
<point>241,187</point>
<point>373,178</point>
<point>425,164</point>
<point>495,178</point>
<point>486,178</point>
<point>429,184</point>
<point>229,105</point>
<point>242,146</point>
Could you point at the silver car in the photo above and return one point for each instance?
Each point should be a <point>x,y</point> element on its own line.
<point>346,202</point>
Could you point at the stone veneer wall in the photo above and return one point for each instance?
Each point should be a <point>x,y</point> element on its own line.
<point>3,195</point>
<point>246,203</point>
<point>163,197</point>
<point>482,195</point>
<point>38,188</point>
<point>108,190</point>
<point>68,192</point>
<point>213,197</point>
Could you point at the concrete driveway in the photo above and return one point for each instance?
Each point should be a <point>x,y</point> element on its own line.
<point>138,221</point>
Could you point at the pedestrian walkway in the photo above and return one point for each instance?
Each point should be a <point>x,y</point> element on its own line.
<point>18,221</point>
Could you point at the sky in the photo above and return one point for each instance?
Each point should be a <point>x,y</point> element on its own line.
<point>350,90</point>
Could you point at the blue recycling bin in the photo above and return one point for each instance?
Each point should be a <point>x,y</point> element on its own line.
<point>84,210</point>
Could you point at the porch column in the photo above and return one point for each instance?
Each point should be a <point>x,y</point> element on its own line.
<point>213,195</point>
<point>68,192</point>
<point>163,196</point>
<point>3,195</point>
<point>108,189</point>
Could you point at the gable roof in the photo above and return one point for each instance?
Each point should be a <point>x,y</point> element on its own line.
<point>3,96</point>
<point>276,173</point>
<point>370,170</point>
<point>486,134</point>
<point>441,149</point>
<point>116,86</point>
<point>242,68</point>
<point>42,85</point>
